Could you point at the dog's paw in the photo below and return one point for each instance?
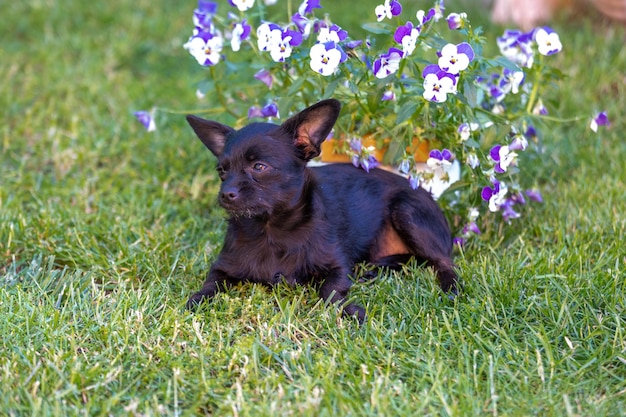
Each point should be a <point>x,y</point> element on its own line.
<point>356,311</point>
<point>195,301</point>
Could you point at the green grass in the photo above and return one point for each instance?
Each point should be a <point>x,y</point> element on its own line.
<point>105,230</point>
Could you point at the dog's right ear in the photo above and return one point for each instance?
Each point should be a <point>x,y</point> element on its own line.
<point>211,133</point>
<point>309,128</point>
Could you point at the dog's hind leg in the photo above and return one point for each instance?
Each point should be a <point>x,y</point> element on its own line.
<point>424,230</point>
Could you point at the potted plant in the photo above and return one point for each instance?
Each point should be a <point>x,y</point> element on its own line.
<point>418,92</point>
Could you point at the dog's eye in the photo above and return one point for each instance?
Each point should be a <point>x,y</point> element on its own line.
<point>259,167</point>
<point>221,172</point>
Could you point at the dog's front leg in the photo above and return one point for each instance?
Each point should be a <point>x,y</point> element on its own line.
<point>335,289</point>
<point>215,281</point>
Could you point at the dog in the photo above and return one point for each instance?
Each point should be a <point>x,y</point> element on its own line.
<point>289,222</point>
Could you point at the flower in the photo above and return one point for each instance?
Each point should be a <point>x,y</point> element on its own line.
<point>601,119</point>
<point>242,5</point>
<point>438,84</point>
<point>265,76</point>
<point>241,31</point>
<point>325,58</point>
<point>406,36</point>
<point>439,163</point>
<point>548,42</point>
<point>503,157</point>
<point>495,195</point>
<point>456,20</point>
<point>388,63</point>
<point>205,47</point>
<point>146,119</point>
<point>268,111</point>
<point>455,58</point>
<point>388,10</point>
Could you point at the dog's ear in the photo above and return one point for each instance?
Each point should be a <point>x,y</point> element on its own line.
<point>309,128</point>
<point>212,134</point>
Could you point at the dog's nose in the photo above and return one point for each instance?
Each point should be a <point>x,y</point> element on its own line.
<point>229,195</point>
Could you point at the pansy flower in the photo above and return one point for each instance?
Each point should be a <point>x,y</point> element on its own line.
<point>439,162</point>
<point>268,35</point>
<point>203,15</point>
<point>511,81</point>
<point>424,17</point>
<point>332,33</point>
<point>508,212</point>
<point>601,119</point>
<point>406,36</point>
<point>495,196</point>
<point>325,58</point>
<point>241,31</point>
<point>268,111</point>
<point>265,76</point>
<point>388,63</point>
<point>466,129</point>
<point>517,47</point>
<point>455,58</point>
<point>205,47</point>
<point>388,95</point>
<point>519,143</point>
<point>472,160</point>
<point>456,21</point>
<point>146,119</point>
<point>548,42</point>
<point>438,84</point>
<point>307,6</point>
<point>534,195</point>
<point>362,157</point>
<point>503,157</point>
<point>242,5</point>
<point>387,10</point>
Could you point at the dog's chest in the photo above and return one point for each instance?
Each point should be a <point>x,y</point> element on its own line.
<point>268,261</point>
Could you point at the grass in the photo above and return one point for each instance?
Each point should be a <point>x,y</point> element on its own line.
<point>105,230</point>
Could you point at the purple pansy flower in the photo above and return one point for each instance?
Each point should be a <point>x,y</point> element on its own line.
<point>519,143</point>
<point>439,162</point>
<point>241,31</point>
<point>264,76</point>
<point>388,95</point>
<point>548,42</point>
<point>438,83</point>
<point>307,6</point>
<point>362,157</point>
<point>534,195</point>
<point>456,21</point>
<point>503,157</point>
<point>455,58</point>
<point>203,15</point>
<point>269,110</point>
<point>517,47</point>
<point>242,5</point>
<point>146,119</point>
<point>387,10</point>
<point>268,35</point>
<point>423,17</point>
<point>601,119</point>
<point>205,47</point>
<point>325,58</point>
<point>388,63</point>
<point>494,195</point>
<point>332,33</point>
<point>507,210</point>
<point>511,81</point>
<point>406,36</point>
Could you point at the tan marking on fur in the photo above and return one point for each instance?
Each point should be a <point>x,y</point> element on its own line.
<point>388,244</point>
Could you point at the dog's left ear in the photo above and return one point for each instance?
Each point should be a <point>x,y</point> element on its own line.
<point>309,128</point>
<point>212,134</point>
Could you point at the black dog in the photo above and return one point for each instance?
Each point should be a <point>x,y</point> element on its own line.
<point>299,224</point>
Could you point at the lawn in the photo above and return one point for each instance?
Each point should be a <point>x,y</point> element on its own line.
<point>106,229</point>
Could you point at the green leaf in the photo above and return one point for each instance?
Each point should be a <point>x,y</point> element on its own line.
<point>406,111</point>
<point>376,28</point>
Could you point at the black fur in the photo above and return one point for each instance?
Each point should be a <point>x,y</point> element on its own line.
<point>312,225</point>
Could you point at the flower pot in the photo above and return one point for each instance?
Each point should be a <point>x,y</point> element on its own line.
<point>333,150</point>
